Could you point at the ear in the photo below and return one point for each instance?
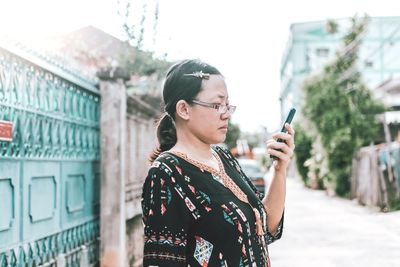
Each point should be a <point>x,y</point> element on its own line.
<point>183,109</point>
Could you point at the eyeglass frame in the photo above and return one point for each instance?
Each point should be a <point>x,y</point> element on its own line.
<point>225,108</point>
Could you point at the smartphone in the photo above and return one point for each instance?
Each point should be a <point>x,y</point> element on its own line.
<point>289,119</point>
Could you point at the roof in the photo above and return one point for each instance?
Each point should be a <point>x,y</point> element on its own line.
<point>49,60</point>
<point>391,86</point>
<point>96,41</point>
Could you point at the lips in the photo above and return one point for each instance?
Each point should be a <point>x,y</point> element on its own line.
<point>223,127</point>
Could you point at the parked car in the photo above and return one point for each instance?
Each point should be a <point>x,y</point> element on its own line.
<point>254,172</point>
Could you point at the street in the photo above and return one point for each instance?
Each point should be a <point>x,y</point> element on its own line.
<point>328,231</point>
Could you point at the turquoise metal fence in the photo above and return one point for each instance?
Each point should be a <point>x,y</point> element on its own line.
<point>49,172</point>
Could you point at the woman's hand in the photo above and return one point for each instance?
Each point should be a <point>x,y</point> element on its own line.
<point>284,156</point>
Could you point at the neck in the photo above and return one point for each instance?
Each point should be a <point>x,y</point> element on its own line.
<point>192,146</point>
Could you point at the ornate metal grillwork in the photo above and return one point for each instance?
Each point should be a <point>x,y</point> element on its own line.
<point>55,116</point>
<point>52,117</point>
<point>68,247</point>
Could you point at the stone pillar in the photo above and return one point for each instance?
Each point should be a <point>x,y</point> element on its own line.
<point>113,140</point>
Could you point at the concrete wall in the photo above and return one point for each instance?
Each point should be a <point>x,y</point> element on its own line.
<point>134,241</point>
<point>141,140</point>
<point>127,138</point>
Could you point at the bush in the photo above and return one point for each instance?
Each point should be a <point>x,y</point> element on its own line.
<point>302,151</point>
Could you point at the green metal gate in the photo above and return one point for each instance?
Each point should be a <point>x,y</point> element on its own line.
<point>49,172</point>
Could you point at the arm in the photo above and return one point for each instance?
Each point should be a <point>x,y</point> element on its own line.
<point>162,203</point>
<point>274,201</point>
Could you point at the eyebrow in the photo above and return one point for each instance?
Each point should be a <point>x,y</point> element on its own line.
<point>222,96</point>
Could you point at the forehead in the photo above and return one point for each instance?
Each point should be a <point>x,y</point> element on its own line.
<point>214,88</point>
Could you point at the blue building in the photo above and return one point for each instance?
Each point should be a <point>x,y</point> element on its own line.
<point>311,46</point>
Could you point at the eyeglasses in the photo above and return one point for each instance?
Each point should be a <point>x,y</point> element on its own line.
<point>221,109</point>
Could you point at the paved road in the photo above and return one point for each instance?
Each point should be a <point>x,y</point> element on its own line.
<point>331,232</point>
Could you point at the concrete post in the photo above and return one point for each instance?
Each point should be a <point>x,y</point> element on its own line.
<point>113,140</point>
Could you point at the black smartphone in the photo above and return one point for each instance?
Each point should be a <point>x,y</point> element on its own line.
<point>289,119</point>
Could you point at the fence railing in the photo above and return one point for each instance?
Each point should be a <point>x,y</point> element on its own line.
<point>49,169</point>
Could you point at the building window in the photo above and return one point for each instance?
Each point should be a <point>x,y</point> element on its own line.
<point>368,64</point>
<point>322,52</point>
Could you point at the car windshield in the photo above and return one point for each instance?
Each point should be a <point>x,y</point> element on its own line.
<point>250,169</point>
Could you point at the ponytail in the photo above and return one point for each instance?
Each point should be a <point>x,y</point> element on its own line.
<point>166,135</point>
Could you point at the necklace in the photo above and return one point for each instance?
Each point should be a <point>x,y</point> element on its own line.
<point>228,183</point>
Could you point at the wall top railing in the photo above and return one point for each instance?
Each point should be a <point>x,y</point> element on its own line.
<point>54,113</point>
<point>49,63</point>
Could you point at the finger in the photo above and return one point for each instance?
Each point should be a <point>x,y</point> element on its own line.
<point>278,154</point>
<point>270,141</point>
<point>281,146</point>
<point>288,138</point>
<point>291,132</point>
<point>276,145</point>
<point>290,129</point>
<point>280,135</point>
<point>290,141</point>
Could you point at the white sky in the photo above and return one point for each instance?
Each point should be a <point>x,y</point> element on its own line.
<point>243,39</point>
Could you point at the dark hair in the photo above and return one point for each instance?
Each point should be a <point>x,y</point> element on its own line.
<point>178,86</point>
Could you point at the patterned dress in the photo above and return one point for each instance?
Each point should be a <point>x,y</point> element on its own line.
<point>192,219</point>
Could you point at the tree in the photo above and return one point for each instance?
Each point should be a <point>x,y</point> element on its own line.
<point>137,21</point>
<point>233,135</point>
<point>303,151</point>
<point>143,63</point>
<point>343,109</point>
<point>140,19</point>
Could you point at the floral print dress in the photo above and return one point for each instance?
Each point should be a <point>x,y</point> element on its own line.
<point>191,219</point>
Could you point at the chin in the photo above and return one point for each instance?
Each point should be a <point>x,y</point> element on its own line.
<point>215,138</point>
<point>221,139</point>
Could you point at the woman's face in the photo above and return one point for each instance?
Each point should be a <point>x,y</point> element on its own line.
<point>207,123</point>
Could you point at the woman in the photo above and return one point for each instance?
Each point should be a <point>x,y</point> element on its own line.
<point>199,208</point>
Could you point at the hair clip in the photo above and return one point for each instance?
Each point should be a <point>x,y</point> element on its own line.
<point>199,74</point>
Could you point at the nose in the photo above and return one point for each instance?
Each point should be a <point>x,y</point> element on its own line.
<point>226,115</point>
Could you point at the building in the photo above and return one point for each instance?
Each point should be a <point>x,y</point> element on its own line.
<point>311,46</point>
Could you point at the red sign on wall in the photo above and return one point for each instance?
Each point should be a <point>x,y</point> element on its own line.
<point>5,131</point>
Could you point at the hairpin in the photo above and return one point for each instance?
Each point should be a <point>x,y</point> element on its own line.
<point>199,74</point>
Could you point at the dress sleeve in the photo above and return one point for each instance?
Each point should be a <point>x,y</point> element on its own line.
<point>167,211</point>
<point>278,234</point>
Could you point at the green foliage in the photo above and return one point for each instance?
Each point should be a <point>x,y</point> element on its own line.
<point>303,151</point>
<point>135,16</point>
<point>332,27</point>
<point>137,60</point>
<point>233,135</point>
<point>343,109</point>
<point>143,63</point>
<point>393,199</point>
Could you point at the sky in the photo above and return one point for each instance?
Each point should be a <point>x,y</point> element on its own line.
<point>243,39</point>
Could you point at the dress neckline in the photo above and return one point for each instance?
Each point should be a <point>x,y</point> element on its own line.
<point>200,165</point>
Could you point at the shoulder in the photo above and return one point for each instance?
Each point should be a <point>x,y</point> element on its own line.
<point>166,182</point>
<point>166,167</point>
<point>166,164</point>
<point>164,171</point>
